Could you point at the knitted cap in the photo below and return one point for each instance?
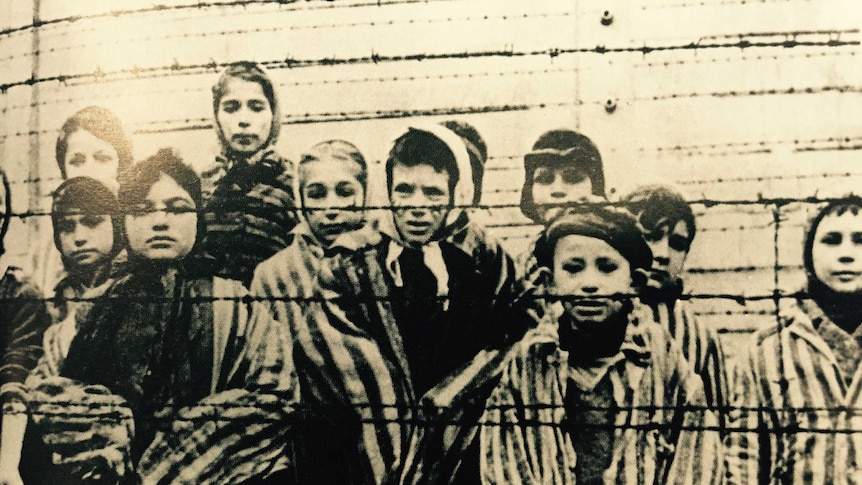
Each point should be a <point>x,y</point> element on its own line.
<point>615,226</point>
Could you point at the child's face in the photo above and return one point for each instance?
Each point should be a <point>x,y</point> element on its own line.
<point>164,224</point>
<point>245,116</point>
<point>837,252</point>
<point>86,239</point>
<point>328,188</point>
<point>420,200</point>
<point>90,156</point>
<point>560,186</point>
<point>669,246</point>
<point>592,271</point>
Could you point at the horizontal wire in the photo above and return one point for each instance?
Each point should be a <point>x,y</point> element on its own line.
<point>375,58</point>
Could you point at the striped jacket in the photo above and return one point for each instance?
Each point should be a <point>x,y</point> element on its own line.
<point>352,365</point>
<point>249,214</point>
<point>701,348</point>
<point>662,433</point>
<point>794,419</point>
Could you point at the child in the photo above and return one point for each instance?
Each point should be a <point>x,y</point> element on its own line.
<point>403,308</point>
<point>669,228</point>
<point>165,344</point>
<point>597,393</point>
<point>796,398</point>
<point>248,192</point>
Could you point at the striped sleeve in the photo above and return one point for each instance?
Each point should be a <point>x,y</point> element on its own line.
<point>745,454</point>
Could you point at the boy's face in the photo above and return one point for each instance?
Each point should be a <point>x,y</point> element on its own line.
<point>669,246</point>
<point>164,225</point>
<point>85,239</point>
<point>90,156</point>
<point>245,116</point>
<point>592,271</point>
<point>560,186</point>
<point>328,188</point>
<point>420,201</point>
<point>837,252</point>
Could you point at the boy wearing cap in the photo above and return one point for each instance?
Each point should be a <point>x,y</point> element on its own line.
<point>669,228</point>
<point>404,307</point>
<point>597,393</point>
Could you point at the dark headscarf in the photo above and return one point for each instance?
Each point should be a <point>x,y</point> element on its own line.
<point>85,195</point>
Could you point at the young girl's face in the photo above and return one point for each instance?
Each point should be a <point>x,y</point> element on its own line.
<point>595,274</point>
<point>837,252</point>
<point>163,226</point>
<point>245,116</point>
<point>85,239</point>
<point>90,156</point>
<point>330,188</point>
<point>559,186</point>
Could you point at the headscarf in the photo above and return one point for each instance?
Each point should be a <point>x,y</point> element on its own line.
<point>86,195</point>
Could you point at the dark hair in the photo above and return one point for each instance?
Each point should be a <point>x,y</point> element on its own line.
<point>138,181</point>
<point>255,73</point>
<point>656,205</point>
<point>102,124</point>
<point>417,147</point>
<point>561,148</point>
<point>615,226</point>
<point>89,196</point>
<point>338,150</point>
<point>476,149</point>
<point>851,204</point>
<point>7,214</point>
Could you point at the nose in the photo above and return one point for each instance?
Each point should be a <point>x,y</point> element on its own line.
<point>80,239</point>
<point>558,189</point>
<point>160,220</point>
<point>661,251</point>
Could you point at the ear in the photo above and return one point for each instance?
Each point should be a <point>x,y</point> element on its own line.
<point>640,277</point>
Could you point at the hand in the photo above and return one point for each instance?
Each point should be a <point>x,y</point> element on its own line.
<point>10,476</point>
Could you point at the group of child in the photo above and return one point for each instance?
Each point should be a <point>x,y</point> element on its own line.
<point>252,325</point>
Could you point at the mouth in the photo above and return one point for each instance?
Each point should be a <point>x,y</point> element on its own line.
<point>846,276</point>
<point>245,140</point>
<point>161,242</point>
<point>83,254</point>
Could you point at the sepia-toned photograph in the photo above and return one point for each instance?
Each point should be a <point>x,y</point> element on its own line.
<point>420,242</point>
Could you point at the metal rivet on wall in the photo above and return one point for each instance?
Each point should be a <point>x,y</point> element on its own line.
<point>610,105</point>
<point>607,18</point>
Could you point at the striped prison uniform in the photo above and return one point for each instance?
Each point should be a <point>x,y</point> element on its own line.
<point>250,213</point>
<point>663,434</point>
<point>354,364</point>
<point>24,316</point>
<point>796,416</point>
<point>702,349</point>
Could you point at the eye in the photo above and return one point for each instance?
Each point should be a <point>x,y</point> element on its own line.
<point>543,176</point>
<point>345,190</point>
<point>403,189</point>
<point>76,160</point>
<point>857,238</point>
<point>434,193</point>
<point>831,239</point>
<point>678,243</point>
<point>315,191</point>
<point>654,236</point>
<point>607,266</point>
<point>140,209</point>
<point>103,157</point>
<point>257,106</point>
<point>180,206</point>
<point>230,106</point>
<point>573,266</point>
<point>572,176</point>
<point>92,221</point>
<point>66,225</point>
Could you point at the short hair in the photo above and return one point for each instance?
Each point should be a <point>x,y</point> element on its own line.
<point>104,125</point>
<point>89,196</point>
<point>656,205</point>
<point>7,213</point>
<point>851,204</point>
<point>561,148</point>
<point>138,181</point>
<point>338,150</point>
<point>477,150</point>
<point>417,147</point>
<point>255,73</point>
